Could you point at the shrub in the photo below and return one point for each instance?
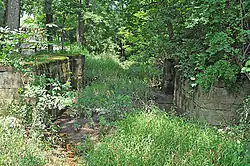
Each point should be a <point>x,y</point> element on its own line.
<point>221,70</point>
<point>41,100</point>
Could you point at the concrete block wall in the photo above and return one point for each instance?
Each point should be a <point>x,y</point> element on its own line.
<point>217,106</point>
<point>70,68</point>
<point>10,81</point>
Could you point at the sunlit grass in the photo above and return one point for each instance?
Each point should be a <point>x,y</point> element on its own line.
<point>15,147</point>
<point>159,139</point>
<point>112,89</point>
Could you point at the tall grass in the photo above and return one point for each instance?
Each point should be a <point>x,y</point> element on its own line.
<point>113,89</point>
<point>15,146</point>
<point>158,139</point>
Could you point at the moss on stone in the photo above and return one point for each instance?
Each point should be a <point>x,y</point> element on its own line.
<point>48,58</point>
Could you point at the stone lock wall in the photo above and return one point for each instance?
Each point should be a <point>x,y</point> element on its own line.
<point>9,84</point>
<point>217,106</point>
<point>70,68</point>
<point>168,82</point>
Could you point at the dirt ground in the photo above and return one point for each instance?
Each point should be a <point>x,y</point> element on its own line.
<point>74,132</point>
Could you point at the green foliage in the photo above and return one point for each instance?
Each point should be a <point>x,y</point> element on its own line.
<point>11,43</point>
<point>84,147</point>
<point>197,33</point>
<point>2,10</point>
<point>41,102</point>
<point>101,69</point>
<point>107,100</point>
<point>113,90</point>
<point>219,41</point>
<point>8,42</point>
<point>15,147</point>
<point>203,33</point>
<point>158,139</point>
<point>147,72</point>
<point>246,69</point>
<point>29,123</point>
<point>222,71</point>
<point>243,115</point>
<point>210,38</point>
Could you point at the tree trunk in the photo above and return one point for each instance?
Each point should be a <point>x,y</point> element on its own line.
<point>93,5</point>
<point>5,13</point>
<point>87,21</point>
<point>49,20</point>
<point>227,4</point>
<point>122,51</point>
<point>80,26</point>
<point>62,37</point>
<point>87,4</point>
<point>170,31</point>
<point>2,13</point>
<point>13,14</point>
<point>80,36</point>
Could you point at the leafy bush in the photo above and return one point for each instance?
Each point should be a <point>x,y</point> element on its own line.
<point>30,125</point>
<point>158,139</point>
<point>8,42</point>
<point>41,101</point>
<point>221,71</point>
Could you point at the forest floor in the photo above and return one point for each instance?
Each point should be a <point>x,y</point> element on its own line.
<point>74,132</point>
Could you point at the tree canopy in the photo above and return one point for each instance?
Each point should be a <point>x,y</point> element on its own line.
<point>209,38</point>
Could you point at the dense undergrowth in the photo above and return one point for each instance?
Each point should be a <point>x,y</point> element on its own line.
<point>121,94</point>
<point>26,128</point>
<point>16,147</point>
<point>159,139</point>
<point>209,38</point>
<point>114,89</point>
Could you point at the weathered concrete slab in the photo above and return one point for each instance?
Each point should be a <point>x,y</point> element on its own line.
<point>70,68</point>
<point>9,80</point>
<point>216,106</point>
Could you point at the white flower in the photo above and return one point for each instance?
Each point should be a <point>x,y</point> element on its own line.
<point>192,79</point>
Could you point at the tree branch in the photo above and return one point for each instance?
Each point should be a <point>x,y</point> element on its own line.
<point>245,51</point>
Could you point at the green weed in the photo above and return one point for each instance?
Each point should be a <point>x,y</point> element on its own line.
<point>112,90</point>
<point>15,147</point>
<point>158,139</point>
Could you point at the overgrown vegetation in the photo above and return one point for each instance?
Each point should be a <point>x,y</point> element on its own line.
<point>125,43</point>
<point>114,89</point>
<point>154,138</point>
<point>16,147</point>
<point>41,100</point>
<point>27,128</point>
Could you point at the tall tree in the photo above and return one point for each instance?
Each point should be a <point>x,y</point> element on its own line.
<point>13,14</point>
<point>48,22</point>
<point>93,5</point>
<point>80,25</point>
<point>2,12</point>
